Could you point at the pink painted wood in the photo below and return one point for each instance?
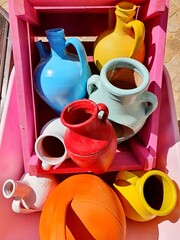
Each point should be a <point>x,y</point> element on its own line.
<point>15,226</point>
<point>28,21</point>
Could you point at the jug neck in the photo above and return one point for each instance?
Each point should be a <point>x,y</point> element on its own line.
<point>125,12</point>
<point>16,189</point>
<point>57,41</point>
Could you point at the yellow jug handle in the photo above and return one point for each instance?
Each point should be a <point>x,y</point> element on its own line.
<point>139,34</point>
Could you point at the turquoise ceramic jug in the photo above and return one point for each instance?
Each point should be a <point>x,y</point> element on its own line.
<point>61,77</point>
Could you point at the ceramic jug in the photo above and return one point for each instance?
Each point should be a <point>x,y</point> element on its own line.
<point>82,207</point>
<point>121,86</point>
<point>90,138</point>
<point>29,193</point>
<point>62,77</point>
<point>145,195</point>
<point>126,39</point>
<point>49,146</point>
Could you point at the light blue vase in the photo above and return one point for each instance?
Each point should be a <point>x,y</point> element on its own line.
<point>61,77</point>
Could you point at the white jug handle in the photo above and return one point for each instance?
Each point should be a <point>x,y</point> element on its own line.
<point>18,207</point>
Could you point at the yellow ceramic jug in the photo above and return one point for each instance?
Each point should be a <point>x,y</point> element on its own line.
<point>125,40</point>
<point>145,195</point>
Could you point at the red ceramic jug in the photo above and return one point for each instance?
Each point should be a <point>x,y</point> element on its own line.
<point>90,138</point>
<point>82,207</point>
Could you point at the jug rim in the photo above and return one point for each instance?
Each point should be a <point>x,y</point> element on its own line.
<point>78,104</point>
<point>132,64</point>
<point>164,177</point>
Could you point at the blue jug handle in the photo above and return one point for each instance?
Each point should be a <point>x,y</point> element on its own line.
<point>80,51</point>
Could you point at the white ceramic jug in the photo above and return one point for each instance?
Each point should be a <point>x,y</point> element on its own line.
<point>29,193</point>
<point>49,146</point>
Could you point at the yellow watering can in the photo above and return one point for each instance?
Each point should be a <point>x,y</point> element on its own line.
<point>145,195</point>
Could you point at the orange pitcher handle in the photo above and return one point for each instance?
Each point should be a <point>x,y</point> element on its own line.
<point>54,214</point>
<point>139,35</point>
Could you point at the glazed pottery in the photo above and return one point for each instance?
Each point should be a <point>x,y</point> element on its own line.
<point>90,138</point>
<point>30,193</point>
<point>126,39</point>
<point>121,86</point>
<point>145,195</point>
<point>43,52</point>
<point>82,207</point>
<point>49,146</point>
<point>62,77</point>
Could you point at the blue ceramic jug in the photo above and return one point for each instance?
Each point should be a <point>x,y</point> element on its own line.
<point>61,77</point>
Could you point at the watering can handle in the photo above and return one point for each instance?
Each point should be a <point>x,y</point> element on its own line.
<point>80,51</point>
<point>139,34</point>
<point>126,176</point>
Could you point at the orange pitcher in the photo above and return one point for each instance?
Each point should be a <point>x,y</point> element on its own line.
<point>83,207</point>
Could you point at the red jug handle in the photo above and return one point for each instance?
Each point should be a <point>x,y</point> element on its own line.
<point>104,108</point>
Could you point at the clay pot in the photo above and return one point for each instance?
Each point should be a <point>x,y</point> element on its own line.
<point>51,81</point>
<point>83,207</point>
<point>145,195</point>
<point>29,193</point>
<point>90,138</point>
<point>126,39</point>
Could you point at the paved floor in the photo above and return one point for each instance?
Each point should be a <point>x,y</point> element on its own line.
<point>172,54</point>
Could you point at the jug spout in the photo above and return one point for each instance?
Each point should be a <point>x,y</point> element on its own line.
<point>15,189</point>
<point>43,52</point>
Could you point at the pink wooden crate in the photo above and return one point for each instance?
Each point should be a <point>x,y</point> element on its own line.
<point>28,21</point>
<point>26,227</point>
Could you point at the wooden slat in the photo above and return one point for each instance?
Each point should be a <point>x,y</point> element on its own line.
<point>5,56</point>
<point>4,25</point>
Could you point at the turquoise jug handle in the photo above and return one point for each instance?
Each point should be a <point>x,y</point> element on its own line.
<point>80,51</point>
<point>93,83</point>
<point>152,100</point>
